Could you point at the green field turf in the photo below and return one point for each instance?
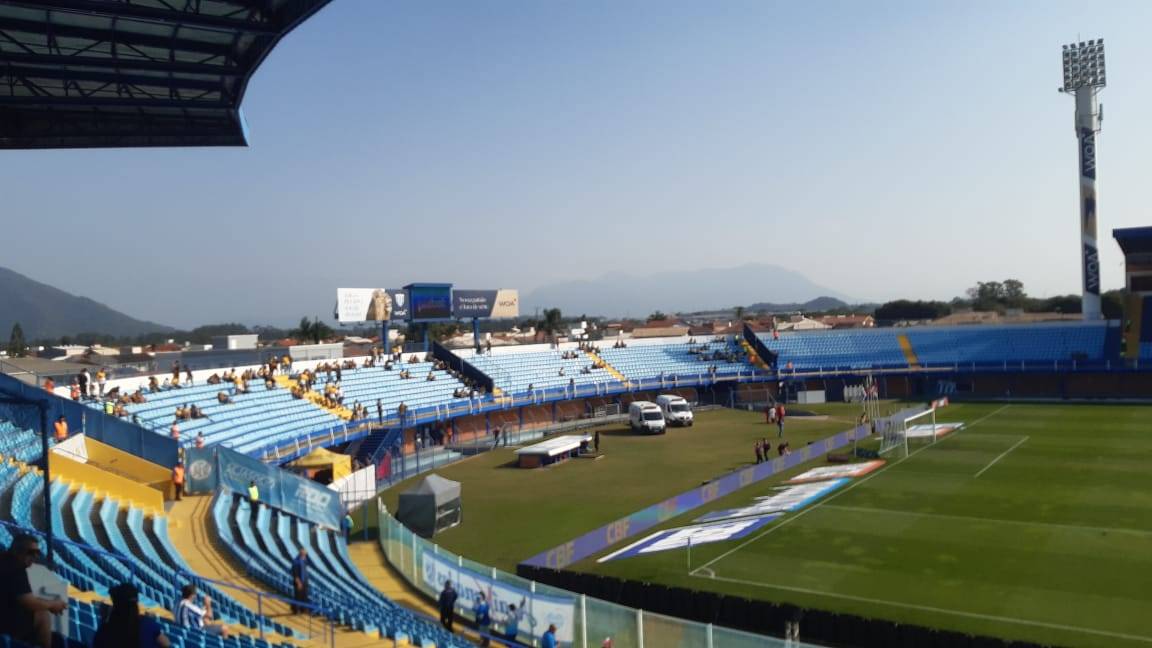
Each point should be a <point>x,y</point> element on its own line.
<point>511,514</point>
<point>1034,522</point>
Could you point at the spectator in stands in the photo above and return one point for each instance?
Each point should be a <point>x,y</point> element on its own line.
<point>214,379</point>
<point>379,410</point>
<point>431,376</point>
<point>483,618</point>
<point>190,615</point>
<point>178,480</point>
<point>388,365</point>
<point>26,616</point>
<point>402,410</point>
<point>74,390</point>
<point>512,622</point>
<point>101,380</point>
<point>346,525</point>
<point>253,493</point>
<point>199,440</point>
<point>447,605</point>
<point>300,566</point>
<point>549,638</point>
<point>82,377</point>
<point>269,383</point>
<point>187,375</point>
<point>61,428</point>
<point>49,385</point>
<point>195,412</point>
<point>166,385</point>
<point>109,408</point>
<point>223,398</point>
<point>125,627</point>
<point>175,431</point>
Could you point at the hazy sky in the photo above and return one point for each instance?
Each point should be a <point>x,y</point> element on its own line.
<point>882,149</point>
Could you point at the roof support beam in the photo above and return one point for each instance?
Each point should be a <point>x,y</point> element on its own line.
<point>133,11</point>
<point>119,36</point>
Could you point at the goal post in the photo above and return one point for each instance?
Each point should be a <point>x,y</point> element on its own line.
<point>918,427</point>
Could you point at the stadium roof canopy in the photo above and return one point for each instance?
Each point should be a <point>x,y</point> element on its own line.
<point>106,73</point>
<point>1134,240</point>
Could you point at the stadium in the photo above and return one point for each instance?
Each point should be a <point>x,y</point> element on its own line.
<point>673,483</point>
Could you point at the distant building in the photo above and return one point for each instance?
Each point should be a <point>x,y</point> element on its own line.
<point>849,321</point>
<point>235,342</point>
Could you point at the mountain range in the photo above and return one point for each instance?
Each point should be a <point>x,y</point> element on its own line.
<point>47,313</point>
<point>626,295</point>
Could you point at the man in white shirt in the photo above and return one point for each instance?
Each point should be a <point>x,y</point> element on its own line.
<point>190,615</point>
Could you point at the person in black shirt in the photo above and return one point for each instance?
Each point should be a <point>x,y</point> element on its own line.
<point>300,579</point>
<point>447,605</point>
<point>26,617</point>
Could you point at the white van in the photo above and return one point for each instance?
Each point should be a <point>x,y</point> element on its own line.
<point>645,416</point>
<point>676,410</point>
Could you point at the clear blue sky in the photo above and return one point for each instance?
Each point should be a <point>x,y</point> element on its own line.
<point>883,149</point>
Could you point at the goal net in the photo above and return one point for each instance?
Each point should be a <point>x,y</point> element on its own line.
<point>917,428</point>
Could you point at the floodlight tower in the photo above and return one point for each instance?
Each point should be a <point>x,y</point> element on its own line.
<point>1084,78</point>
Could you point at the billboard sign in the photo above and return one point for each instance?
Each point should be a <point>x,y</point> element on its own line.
<point>371,304</point>
<point>484,304</point>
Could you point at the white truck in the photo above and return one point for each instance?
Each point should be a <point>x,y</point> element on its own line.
<point>676,410</point>
<point>645,416</point>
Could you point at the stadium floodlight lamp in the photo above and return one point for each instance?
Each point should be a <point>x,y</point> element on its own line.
<point>1084,65</point>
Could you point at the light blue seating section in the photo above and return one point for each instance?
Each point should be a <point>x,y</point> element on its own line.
<point>848,349</point>
<point>18,443</point>
<point>266,540</point>
<point>108,526</point>
<point>260,416</point>
<point>85,618</point>
<point>941,345</point>
<point>639,361</point>
<point>515,372</point>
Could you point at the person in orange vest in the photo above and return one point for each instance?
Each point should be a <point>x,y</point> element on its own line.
<point>61,426</point>
<point>178,479</point>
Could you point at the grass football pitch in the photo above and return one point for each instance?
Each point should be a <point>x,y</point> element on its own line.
<point>1033,522</point>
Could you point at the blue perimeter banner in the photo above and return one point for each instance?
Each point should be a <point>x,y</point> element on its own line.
<point>537,610</point>
<point>596,541</point>
<point>211,467</point>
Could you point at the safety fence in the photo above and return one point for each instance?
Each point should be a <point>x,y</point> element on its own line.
<point>582,621</point>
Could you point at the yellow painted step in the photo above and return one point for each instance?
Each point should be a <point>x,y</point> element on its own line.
<point>909,353</point>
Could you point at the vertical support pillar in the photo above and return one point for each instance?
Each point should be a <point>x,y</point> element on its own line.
<point>1087,124</point>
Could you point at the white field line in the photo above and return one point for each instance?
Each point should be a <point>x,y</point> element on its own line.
<point>840,492</point>
<point>1005,454</point>
<point>972,518</point>
<point>929,608</point>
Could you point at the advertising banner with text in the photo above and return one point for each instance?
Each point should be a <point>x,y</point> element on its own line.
<point>504,302</point>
